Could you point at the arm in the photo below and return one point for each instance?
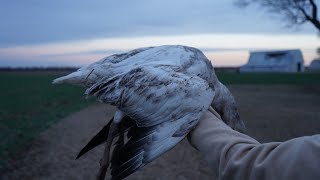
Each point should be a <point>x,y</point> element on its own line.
<point>233,155</point>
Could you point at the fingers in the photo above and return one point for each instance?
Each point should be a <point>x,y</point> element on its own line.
<point>214,112</point>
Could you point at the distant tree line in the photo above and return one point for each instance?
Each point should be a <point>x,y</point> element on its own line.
<point>38,68</point>
<point>71,69</point>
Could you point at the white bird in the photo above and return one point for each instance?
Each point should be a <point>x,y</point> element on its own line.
<point>161,93</point>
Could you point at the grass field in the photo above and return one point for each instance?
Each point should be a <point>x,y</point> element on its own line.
<point>268,78</point>
<point>30,104</point>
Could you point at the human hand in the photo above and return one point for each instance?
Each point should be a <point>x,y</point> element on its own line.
<point>211,114</point>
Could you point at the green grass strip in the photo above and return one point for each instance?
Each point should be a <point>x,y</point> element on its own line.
<point>29,105</point>
<point>270,78</point>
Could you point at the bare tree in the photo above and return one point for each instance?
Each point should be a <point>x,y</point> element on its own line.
<point>295,12</point>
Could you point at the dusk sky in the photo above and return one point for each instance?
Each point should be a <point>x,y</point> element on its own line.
<point>78,32</point>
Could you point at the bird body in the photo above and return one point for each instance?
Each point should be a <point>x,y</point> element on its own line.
<point>189,60</point>
<point>162,91</point>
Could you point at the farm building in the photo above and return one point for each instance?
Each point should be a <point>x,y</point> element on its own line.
<point>315,65</point>
<point>274,61</point>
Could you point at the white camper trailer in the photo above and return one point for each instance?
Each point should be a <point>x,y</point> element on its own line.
<point>274,61</point>
<point>315,65</point>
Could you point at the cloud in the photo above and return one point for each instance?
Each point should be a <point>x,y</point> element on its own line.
<point>225,49</point>
<point>37,21</point>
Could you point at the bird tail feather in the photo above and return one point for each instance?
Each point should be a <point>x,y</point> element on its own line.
<point>75,78</point>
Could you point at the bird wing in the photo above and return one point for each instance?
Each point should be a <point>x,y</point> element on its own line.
<point>116,58</point>
<point>164,103</point>
<point>145,144</point>
<point>102,135</point>
<point>155,94</point>
<point>98,139</point>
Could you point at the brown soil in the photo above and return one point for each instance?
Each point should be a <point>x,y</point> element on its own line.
<point>271,113</point>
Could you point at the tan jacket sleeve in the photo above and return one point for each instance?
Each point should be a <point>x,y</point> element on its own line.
<point>235,156</point>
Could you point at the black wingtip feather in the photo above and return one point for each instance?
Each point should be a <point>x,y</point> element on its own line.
<point>131,156</point>
<point>98,139</point>
<point>128,168</point>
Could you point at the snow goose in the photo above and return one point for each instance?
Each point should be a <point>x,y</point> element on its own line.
<point>161,93</point>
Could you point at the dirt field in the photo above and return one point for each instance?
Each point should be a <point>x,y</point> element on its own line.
<point>271,113</point>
